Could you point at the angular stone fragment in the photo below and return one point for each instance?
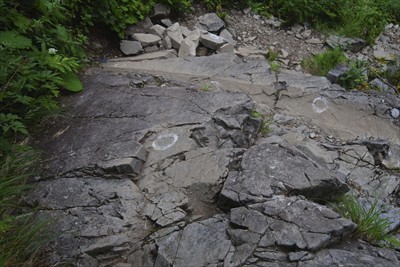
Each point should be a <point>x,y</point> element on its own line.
<point>158,30</point>
<point>130,47</point>
<point>175,34</point>
<point>211,41</point>
<point>226,48</point>
<point>189,45</point>
<point>141,27</point>
<point>160,11</point>
<point>228,37</point>
<point>335,74</point>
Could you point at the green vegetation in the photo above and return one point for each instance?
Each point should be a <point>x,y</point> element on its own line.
<point>321,64</point>
<point>21,234</point>
<point>266,120</point>
<point>370,225</point>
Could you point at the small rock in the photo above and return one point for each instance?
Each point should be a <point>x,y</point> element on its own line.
<point>284,53</point>
<point>131,47</point>
<point>146,39</point>
<point>395,113</point>
<point>298,68</point>
<point>246,10</point>
<point>151,49</point>
<point>166,22</point>
<point>312,135</point>
<point>306,33</point>
<point>383,87</point>
<point>167,43</point>
<point>228,37</point>
<point>251,51</point>
<point>226,48</point>
<point>211,40</point>
<point>158,30</point>
<point>314,41</point>
<point>378,54</point>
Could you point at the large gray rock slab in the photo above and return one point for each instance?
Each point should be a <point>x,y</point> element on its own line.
<point>269,170</point>
<point>211,40</point>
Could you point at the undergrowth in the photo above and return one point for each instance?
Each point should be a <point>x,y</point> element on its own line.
<point>321,64</point>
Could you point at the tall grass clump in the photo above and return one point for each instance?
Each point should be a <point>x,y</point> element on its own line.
<point>21,234</point>
<point>370,225</point>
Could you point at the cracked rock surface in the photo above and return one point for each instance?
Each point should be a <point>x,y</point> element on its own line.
<point>166,163</point>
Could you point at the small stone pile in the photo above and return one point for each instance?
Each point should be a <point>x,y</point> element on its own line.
<point>208,36</point>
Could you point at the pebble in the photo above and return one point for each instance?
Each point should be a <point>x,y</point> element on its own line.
<point>395,113</point>
<point>312,135</point>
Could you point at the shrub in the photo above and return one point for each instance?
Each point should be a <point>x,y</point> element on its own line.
<point>321,64</point>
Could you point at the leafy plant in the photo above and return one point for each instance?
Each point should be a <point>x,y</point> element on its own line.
<point>356,77</point>
<point>321,64</point>
<point>370,225</point>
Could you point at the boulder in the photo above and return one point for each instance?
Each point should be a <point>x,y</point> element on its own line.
<point>131,47</point>
<point>286,171</point>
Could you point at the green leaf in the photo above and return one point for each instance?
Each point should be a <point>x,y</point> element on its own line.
<point>14,40</point>
<point>71,82</point>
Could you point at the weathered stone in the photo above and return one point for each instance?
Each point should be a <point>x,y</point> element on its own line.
<point>189,45</point>
<point>228,37</point>
<point>314,41</point>
<point>165,54</point>
<point>379,54</point>
<point>151,49</point>
<point>259,179</point>
<point>226,48</point>
<point>158,30</point>
<point>167,43</point>
<point>174,33</point>
<point>346,43</point>
<point>146,39</point>
<point>131,47</point>
<point>211,41</point>
<point>160,11</point>
<point>211,22</point>
<point>395,113</point>
<point>166,22</point>
<point>381,86</point>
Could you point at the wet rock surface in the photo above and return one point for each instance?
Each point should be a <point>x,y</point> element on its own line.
<point>170,159</point>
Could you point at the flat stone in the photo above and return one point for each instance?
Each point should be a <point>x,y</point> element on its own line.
<point>250,51</point>
<point>211,41</point>
<point>131,47</point>
<point>314,41</point>
<point>146,39</point>
<point>211,22</point>
<point>189,44</point>
<point>226,48</point>
<point>164,54</point>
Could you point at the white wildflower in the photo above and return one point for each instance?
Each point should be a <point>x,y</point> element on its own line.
<point>53,51</point>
